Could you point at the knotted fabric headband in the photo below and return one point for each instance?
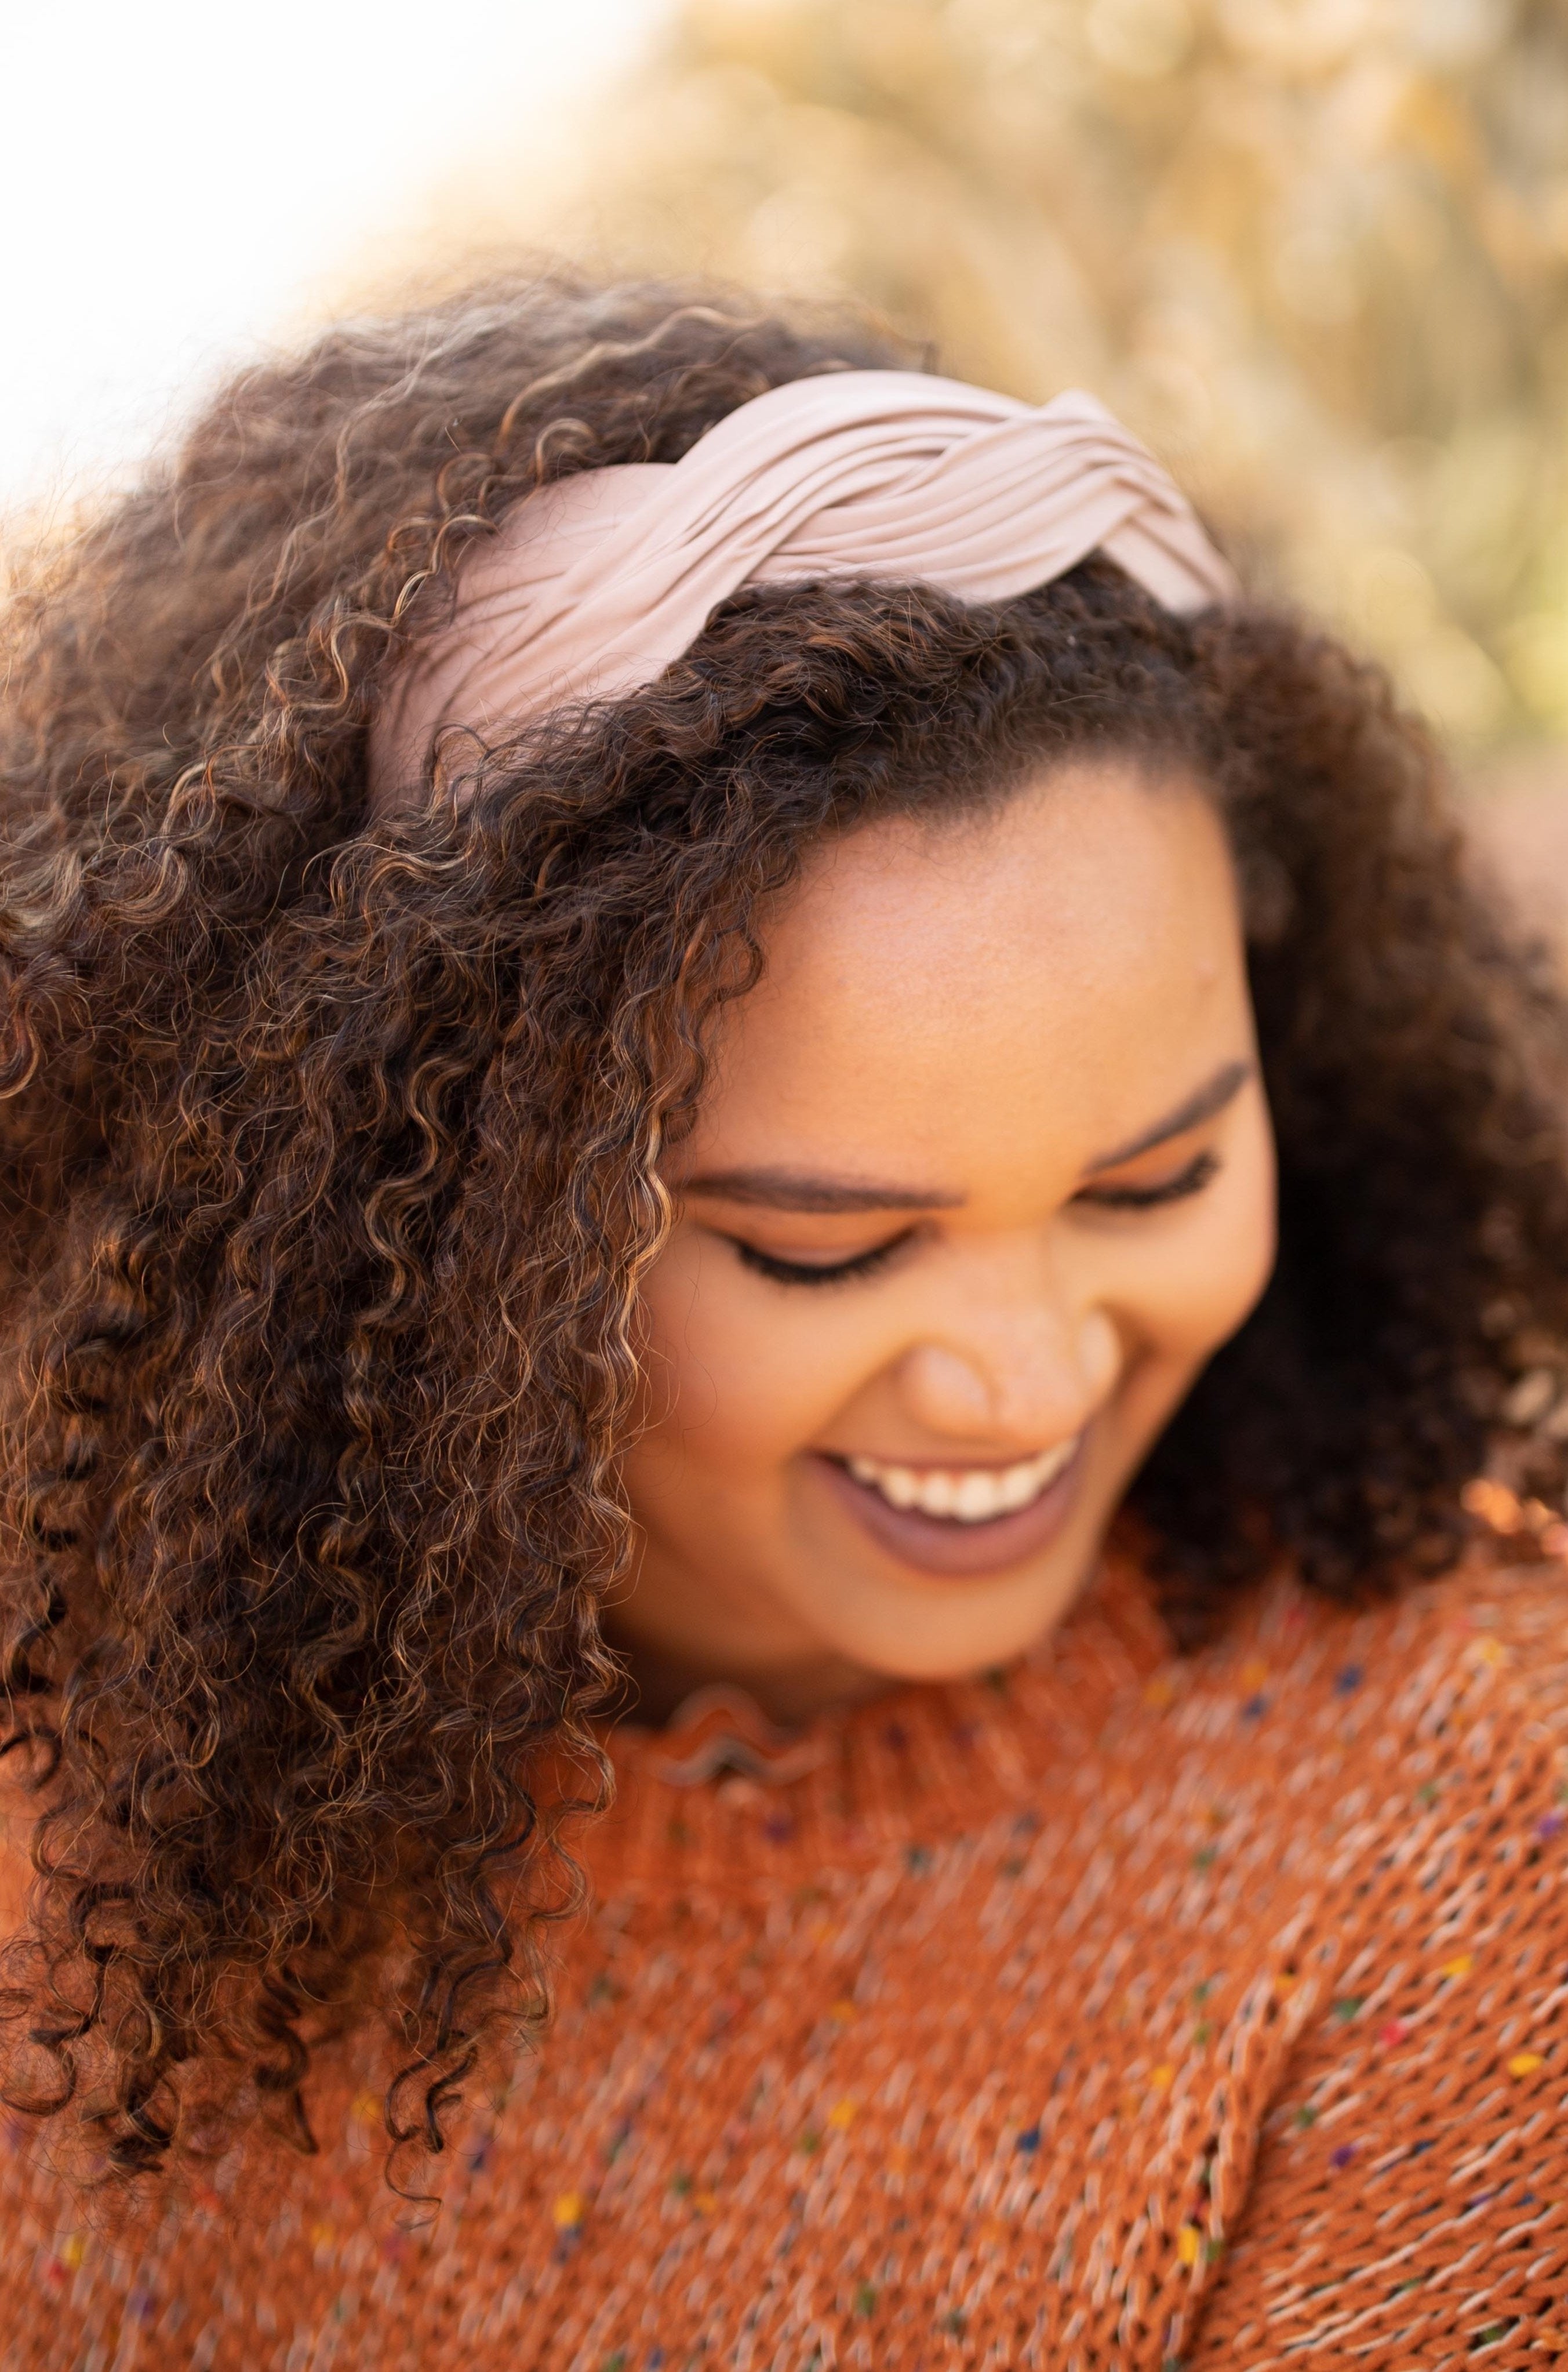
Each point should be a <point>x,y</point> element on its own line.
<point>593,586</point>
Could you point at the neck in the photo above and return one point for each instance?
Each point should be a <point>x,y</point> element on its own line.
<point>790,1691</point>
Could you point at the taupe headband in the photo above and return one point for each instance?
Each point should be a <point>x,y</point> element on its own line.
<point>592,586</point>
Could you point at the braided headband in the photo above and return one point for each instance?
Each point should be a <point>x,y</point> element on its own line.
<point>593,586</point>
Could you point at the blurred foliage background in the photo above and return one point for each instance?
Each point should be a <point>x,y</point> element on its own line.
<point>1315,251</point>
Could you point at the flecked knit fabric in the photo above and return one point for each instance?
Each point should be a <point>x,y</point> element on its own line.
<point>1128,2012</point>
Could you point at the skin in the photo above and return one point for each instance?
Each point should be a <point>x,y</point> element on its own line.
<point>971,1024</point>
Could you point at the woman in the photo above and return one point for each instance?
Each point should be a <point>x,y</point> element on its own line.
<point>658,977</point>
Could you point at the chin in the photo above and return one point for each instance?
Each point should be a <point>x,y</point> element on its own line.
<point>970,1629</point>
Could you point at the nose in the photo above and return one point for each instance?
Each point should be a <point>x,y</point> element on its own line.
<point>1030,1375</point>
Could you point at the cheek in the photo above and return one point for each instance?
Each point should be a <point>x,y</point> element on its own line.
<point>737,1379</point>
<point>1213,1278</point>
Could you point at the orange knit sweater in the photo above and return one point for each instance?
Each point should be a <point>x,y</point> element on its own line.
<point>1128,2012</point>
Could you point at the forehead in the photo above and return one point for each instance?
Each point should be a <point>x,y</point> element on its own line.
<point>1064,965</point>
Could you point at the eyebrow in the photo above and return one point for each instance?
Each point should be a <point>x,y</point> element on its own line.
<point>794,1190</point>
<point>791,1189</point>
<point>1201,1105</point>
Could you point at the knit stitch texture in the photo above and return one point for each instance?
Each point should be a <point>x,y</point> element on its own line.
<point>1129,2011</point>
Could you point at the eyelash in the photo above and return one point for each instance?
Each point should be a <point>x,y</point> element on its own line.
<point>1188,1182</point>
<point>783,1272</point>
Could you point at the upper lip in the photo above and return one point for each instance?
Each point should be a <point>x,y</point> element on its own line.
<point>970,1492</point>
<point>955,1462</point>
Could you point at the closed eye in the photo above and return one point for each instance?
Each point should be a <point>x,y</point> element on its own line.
<point>784,1271</point>
<point>1189,1180</point>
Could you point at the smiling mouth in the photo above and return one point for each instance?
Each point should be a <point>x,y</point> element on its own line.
<point>965,1495</point>
<point>959,1522</point>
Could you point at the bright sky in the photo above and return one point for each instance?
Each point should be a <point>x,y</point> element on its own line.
<point>175,175</point>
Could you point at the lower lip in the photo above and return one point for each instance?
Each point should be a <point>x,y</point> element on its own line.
<point>939,1544</point>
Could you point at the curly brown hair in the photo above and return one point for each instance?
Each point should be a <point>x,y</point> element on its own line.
<point>328,1161</point>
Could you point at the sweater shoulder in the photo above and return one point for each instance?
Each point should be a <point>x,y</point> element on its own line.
<point>1389,1684</point>
<point>1411,2186</point>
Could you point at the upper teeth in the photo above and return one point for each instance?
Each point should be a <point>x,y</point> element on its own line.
<point>969,1495</point>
